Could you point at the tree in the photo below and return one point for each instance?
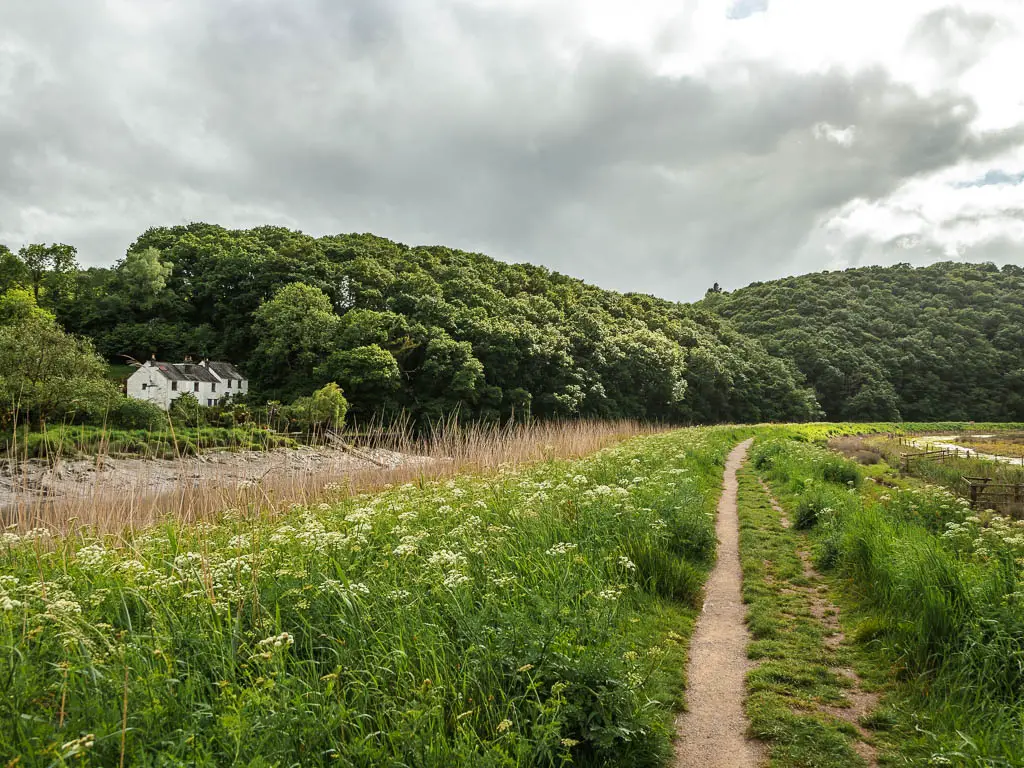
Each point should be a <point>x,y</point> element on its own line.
<point>46,373</point>
<point>294,332</point>
<point>50,267</point>
<point>369,374</point>
<point>324,409</point>
<point>144,275</point>
<point>13,272</point>
<point>18,305</point>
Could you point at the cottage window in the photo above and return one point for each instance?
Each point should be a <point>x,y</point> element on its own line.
<point>174,386</point>
<point>213,387</point>
<point>229,383</point>
<point>197,386</point>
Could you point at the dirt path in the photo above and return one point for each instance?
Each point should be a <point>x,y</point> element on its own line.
<point>931,442</point>
<point>712,732</point>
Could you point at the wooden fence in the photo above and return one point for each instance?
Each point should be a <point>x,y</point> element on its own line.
<point>1005,496</point>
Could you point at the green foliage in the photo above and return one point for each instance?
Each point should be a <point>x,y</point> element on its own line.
<point>186,410</point>
<point>47,374</point>
<point>940,588</point>
<point>884,343</point>
<point>18,305</point>
<point>144,275</point>
<point>129,413</point>
<point>158,442</point>
<point>13,273</point>
<point>493,620</point>
<point>464,332</point>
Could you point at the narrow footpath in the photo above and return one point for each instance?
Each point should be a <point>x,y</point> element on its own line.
<point>712,733</point>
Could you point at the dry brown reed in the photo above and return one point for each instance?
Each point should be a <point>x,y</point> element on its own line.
<point>448,449</point>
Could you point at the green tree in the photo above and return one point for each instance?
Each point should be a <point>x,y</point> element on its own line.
<point>326,408</point>
<point>13,272</point>
<point>144,275</point>
<point>370,375</point>
<point>294,330</point>
<point>51,269</point>
<point>18,305</point>
<point>46,373</point>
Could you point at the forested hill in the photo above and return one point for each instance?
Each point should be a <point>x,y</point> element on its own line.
<point>938,342</point>
<point>430,330</point>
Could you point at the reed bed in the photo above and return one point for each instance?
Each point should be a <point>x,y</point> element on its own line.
<point>364,459</point>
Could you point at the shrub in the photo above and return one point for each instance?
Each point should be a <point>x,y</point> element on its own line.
<point>813,503</point>
<point>129,413</point>
<point>840,471</point>
<point>186,411</point>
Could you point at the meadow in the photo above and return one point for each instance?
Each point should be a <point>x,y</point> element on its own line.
<point>529,602</point>
<point>522,617</point>
<point>936,589</point>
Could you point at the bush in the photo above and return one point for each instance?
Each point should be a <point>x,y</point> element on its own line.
<point>129,413</point>
<point>813,503</point>
<point>186,411</point>
<point>840,471</point>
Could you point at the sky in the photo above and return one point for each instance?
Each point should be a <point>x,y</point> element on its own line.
<point>644,146</point>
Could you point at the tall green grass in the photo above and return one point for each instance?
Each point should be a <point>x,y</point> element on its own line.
<point>73,440</point>
<point>525,618</point>
<point>942,589</point>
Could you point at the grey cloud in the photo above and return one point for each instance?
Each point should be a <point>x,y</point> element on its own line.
<point>436,122</point>
<point>955,38</point>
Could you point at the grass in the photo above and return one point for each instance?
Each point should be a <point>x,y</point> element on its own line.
<point>78,441</point>
<point>795,688</point>
<point>525,598</point>
<point>523,617</point>
<point>936,589</point>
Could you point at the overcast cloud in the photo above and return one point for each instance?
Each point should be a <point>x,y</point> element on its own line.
<point>659,149</point>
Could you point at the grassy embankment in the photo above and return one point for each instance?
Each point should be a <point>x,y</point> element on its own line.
<point>524,617</point>
<point>935,594</point>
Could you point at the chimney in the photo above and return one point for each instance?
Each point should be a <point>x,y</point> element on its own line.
<point>188,358</point>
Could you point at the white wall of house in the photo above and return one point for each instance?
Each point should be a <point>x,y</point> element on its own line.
<point>149,383</point>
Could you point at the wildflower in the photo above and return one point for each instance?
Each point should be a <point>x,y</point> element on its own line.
<point>525,668</point>
<point>454,579</point>
<point>626,563</point>
<point>561,548</point>
<point>91,555</point>
<point>283,640</point>
<point>79,745</point>
<point>569,743</point>
<point>504,725</point>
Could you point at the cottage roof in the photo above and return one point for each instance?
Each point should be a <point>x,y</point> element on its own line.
<point>183,371</point>
<point>223,370</point>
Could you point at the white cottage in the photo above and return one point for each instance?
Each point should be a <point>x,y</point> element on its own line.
<point>209,381</point>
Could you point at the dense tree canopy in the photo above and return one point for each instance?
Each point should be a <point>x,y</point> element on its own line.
<point>938,342</point>
<point>430,330</point>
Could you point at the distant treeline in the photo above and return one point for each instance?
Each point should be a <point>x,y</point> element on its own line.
<point>886,343</point>
<point>429,331</point>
